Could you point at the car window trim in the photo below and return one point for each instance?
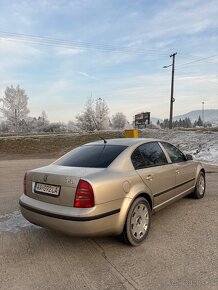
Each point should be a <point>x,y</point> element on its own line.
<point>104,145</point>
<point>166,153</point>
<point>153,166</point>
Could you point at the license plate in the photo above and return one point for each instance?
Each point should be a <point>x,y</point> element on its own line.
<point>47,189</point>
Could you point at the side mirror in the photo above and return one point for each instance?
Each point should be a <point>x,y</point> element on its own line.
<point>188,157</point>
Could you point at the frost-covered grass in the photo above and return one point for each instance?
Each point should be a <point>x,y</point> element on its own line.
<point>203,145</point>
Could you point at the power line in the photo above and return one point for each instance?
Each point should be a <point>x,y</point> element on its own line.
<point>197,60</point>
<point>76,44</point>
<point>70,44</point>
<point>192,57</point>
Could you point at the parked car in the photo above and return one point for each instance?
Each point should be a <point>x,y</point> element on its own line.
<point>110,187</point>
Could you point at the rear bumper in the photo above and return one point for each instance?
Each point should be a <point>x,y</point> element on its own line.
<point>101,220</point>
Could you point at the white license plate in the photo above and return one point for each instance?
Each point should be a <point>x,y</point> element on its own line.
<point>47,188</point>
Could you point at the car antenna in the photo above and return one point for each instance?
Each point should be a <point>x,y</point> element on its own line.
<point>105,142</point>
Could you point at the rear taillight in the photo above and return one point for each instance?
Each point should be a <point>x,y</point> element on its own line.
<point>84,195</point>
<point>24,184</point>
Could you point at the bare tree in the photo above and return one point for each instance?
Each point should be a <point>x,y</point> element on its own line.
<point>95,116</point>
<point>119,121</point>
<point>72,127</point>
<point>43,116</point>
<point>42,122</point>
<point>56,127</point>
<point>101,114</point>
<point>86,120</point>
<point>14,107</point>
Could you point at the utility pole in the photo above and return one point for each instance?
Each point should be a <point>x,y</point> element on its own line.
<point>172,100</point>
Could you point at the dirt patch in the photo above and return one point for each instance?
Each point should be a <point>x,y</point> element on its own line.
<point>47,146</point>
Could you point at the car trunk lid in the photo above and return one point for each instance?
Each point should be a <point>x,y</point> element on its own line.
<point>56,184</point>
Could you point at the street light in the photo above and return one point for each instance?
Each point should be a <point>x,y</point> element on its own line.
<point>166,66</point>
<point>203,113</point>
<point>172,100</point>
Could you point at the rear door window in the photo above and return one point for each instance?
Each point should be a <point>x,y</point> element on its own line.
<point>148,155</point>
<point>94,156</point>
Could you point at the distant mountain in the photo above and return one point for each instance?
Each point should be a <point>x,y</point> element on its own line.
<point>155,119</point>
<point>209,116</point>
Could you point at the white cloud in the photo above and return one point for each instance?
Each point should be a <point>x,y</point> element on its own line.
<point>9,81</point>
<point>13,54</point>
<point>13,46</point>
<point>183,17</point>
<point>200,79</point>
<point>83,74</point>
<point>67,51</point>
<point>86,75</point>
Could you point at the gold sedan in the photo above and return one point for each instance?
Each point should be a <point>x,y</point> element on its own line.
<point>110,187</point>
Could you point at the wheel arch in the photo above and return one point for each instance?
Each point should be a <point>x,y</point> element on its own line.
<point>146,196</point>
<point>195,194</point>
<point>127,204</point>
<point>126,233</point>
<point>198,171</point>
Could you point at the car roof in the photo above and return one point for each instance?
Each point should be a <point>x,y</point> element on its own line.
<point>124,141</point>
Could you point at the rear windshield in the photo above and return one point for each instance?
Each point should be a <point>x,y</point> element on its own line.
<point>95,156</point>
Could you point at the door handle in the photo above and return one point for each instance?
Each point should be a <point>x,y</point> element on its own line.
<point>177,171</point>
<point>149,177</point>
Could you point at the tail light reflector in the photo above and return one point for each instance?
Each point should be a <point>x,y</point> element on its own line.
<point>84,197</point>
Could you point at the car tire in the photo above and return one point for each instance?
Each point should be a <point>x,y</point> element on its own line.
<point>137,223</point>
<point>200,186</point>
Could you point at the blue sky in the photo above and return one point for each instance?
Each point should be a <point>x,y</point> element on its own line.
<point>59,79</point>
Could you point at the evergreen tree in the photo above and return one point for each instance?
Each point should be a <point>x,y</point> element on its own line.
<point>199,122</point>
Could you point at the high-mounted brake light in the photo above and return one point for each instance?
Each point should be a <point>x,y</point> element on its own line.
<point>84,197</point>
<point>25,184</point>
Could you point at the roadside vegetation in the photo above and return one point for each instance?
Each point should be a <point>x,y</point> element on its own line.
<point>22,136</point>
<point>16,118</point>
<point>200,142</point>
